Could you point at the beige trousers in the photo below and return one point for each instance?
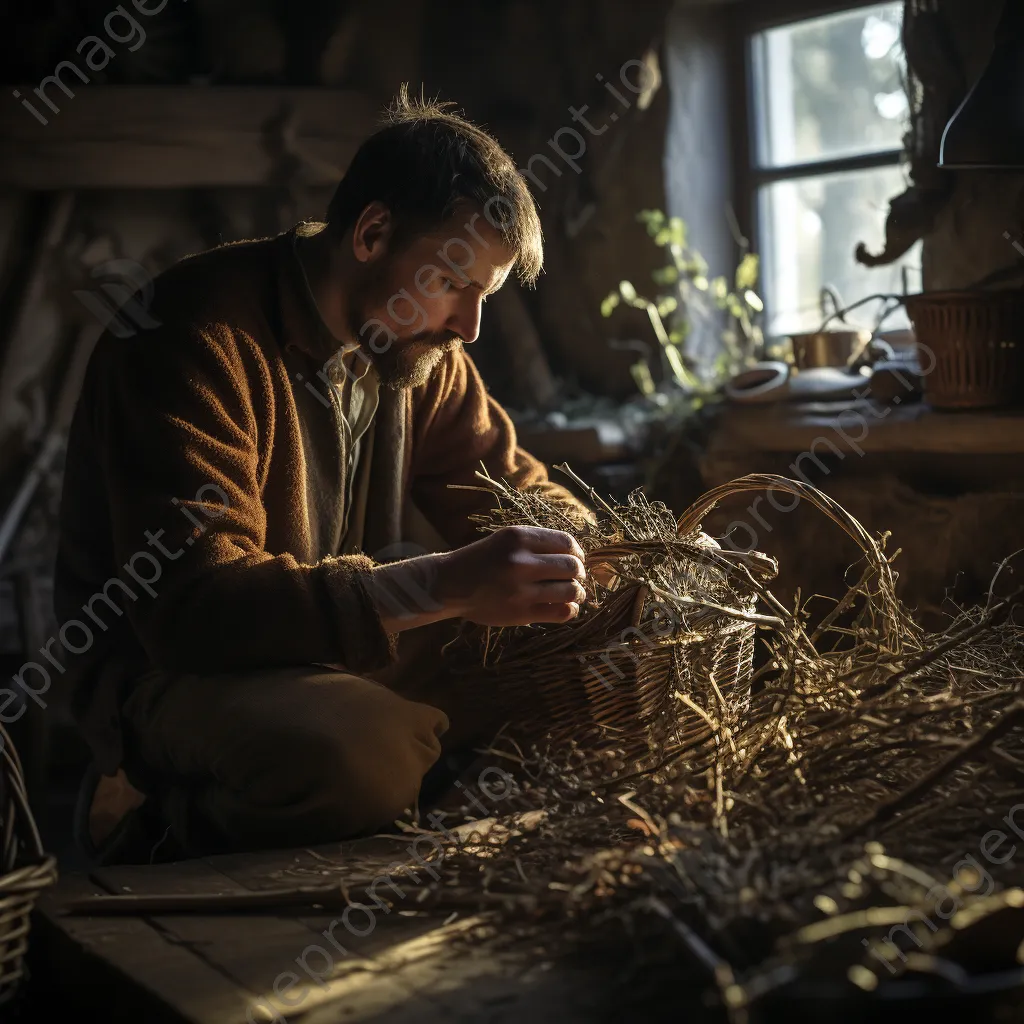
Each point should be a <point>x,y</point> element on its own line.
<point>288,757</point>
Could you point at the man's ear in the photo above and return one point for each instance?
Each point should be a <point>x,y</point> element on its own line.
<point>372,233</point>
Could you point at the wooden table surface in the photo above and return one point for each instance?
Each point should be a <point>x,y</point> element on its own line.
<point>230,968</point>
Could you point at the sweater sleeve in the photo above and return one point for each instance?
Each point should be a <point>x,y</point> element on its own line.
<point>180,448</point>
<point>458,426</point>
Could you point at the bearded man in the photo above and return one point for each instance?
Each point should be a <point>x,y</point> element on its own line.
<point>266,512</point>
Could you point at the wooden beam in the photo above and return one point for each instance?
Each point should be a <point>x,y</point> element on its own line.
<point>181,137</point>
<point>758,15</point>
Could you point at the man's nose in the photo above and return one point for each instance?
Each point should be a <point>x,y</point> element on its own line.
<point>466,322</point>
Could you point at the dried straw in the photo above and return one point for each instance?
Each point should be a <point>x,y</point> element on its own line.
<point>832,818</point>
<point>786,828</point>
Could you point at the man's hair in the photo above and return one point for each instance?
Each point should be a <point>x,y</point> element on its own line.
<point>424,164</point>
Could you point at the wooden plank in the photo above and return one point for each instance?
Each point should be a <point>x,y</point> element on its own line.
<point>406,968</point>
<point>270,956</point>
<point>124,969</point>
<point>401,970</point>
<point>253,952</point>
<point>180,137</point>
<point>394,966</point>
<point>355,862</point>
<point>409,968</point>
<point>471,983</point>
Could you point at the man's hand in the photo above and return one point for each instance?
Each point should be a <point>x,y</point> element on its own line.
<point>515,576</point>
<point>512,577</point>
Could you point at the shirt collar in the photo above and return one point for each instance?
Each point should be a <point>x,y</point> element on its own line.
<point>303,328</point>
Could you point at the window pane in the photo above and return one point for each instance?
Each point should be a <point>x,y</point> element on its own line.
<point>830,87</point>
<point>810,228</point>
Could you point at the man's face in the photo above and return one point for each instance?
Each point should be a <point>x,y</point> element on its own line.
<point>412,306</point>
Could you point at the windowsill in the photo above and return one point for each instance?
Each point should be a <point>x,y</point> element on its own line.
<point>864,426</point>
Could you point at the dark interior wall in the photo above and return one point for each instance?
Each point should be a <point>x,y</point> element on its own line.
<point>517,66</point>
<point>521,68</point>
<point>968,239</point>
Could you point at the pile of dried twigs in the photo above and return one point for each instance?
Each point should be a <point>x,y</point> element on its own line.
<point>852,813</point>
<point>837,816</point>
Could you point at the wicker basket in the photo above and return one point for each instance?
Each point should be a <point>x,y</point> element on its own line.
<point>618,685</point>
<point>26,870</point>
<point>971,346</point>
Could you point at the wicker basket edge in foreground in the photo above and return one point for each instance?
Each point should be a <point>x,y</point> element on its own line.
<point>26,869</point>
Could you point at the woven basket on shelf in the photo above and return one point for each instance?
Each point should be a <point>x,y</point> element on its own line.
<point>25,869</point>
<point>971,346</point>
<point>632,680</point>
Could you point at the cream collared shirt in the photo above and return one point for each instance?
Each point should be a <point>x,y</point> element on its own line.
<point>358,389</point>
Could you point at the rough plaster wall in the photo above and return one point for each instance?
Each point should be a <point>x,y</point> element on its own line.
<point>9,201</point>
<point>152,228</point>
<point>517,68</point>
<point>31,350</point>
<point>102,226</point>
<point>968,239</point>
<point>698,179</point>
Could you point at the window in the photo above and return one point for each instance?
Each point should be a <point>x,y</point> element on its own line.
<point>829,113</point>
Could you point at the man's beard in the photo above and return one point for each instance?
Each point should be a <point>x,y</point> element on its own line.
<point>409,364</point>
<point>405,362</point>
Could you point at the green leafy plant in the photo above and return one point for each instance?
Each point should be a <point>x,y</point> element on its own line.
<point>686,294</point>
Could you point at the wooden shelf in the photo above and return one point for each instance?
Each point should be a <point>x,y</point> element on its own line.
<point>181,137</point>
<point>913,428</point>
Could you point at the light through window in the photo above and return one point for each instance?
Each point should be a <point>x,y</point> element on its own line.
<point>830,113</point>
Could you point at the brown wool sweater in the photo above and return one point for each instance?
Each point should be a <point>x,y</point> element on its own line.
<point>202,503</point>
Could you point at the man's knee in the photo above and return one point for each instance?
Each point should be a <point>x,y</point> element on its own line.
<point>316,754</point>
<point>365,775</point>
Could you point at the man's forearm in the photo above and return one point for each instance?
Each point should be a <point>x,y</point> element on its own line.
<point>512,577</point>
<point>413,593</point>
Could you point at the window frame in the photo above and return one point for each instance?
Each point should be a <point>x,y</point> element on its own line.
<point>750,17</point>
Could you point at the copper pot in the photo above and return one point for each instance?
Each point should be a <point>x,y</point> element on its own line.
<point>829,348</point>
